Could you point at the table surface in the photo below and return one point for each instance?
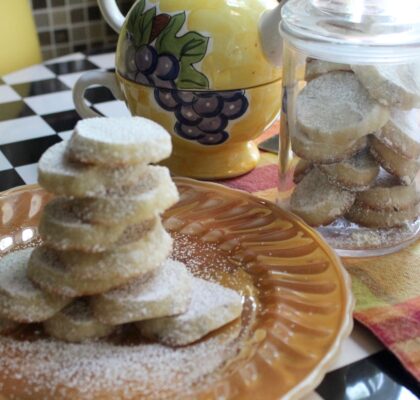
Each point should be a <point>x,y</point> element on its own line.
<point>37,111</point>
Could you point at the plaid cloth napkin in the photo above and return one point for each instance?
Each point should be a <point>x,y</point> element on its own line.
<point>387,288</point>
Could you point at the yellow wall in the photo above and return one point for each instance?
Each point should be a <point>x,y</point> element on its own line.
<point>19,45</point>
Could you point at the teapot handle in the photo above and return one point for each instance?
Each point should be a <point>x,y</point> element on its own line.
<point>112,14</point>
<point>90,78</point>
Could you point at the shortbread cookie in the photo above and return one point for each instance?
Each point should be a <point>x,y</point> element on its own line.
<point>119,141</point>
<point>20,300</point>
<point>166,293</point>
<point>381,219</point>
<point>355,174</point>
<point>319,202</point>
<point>211,307</point>
<point>152,195</point>
<point>7,325</point>
<point>336,108</point>
<point>387,194</point>
<point>393,162</point>
<point>402,133</point>
<point>61,176</point>
<point>302,168</point>
<point>75,323</point>
<point>323,153</point>
<point>315,68</point>
<point>394,85</point>
<point>62,228</point>
<point>75,274</point>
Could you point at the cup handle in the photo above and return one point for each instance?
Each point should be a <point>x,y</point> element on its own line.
<point>112,14</point>
<point>107,79</point>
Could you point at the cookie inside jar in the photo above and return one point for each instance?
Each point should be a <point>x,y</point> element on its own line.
<point>354,131</point>
<point>350,124</point>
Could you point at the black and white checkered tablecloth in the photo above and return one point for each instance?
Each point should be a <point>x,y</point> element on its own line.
<point>37,111</point>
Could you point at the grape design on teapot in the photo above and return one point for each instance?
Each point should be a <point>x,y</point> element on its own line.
<point>156,55</point>
<point>203,116</point>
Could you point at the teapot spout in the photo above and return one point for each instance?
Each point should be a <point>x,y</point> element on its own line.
<point>270,37</point>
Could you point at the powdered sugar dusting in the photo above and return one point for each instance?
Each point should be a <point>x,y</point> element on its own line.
<point>346,236</point>
<point>13,278</point>
<point>125,366</point>
<point>207,295</point>
<point>337,108</point>
<point>122,131</point>
<point>53,161</point>
<point>407,122</point>
<point>211,307</point>
<point>165,282</point>
<point>119,141</point>
<point>401,133</point>
<point>72,275</point>
<point>94,369</point>
<point>59,174</point>
<point>209,265</point>
<point>315,192</point>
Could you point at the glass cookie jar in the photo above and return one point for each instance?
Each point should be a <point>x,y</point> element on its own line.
<point>350,128</point>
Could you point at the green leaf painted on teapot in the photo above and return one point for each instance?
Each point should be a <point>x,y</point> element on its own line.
<point>192,45</point>
<point>188,49</point>
<point>134,17</point>
<point>140,24</point>
<point>145,25</point>
<point>169,34</point>
<point>190,78</point>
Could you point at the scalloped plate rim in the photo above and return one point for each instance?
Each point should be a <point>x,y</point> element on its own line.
<point>314,378</point>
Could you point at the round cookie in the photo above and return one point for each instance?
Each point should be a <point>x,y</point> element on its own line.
<point>20,300</point>
<point>62,228</point>
<point>61,176</point>
<point>381,219</point>
<point>119,141</point>
<point>152,195</point>
<point>75,274</point>
<point>315,68</point>
<point>336,108</point>
<point>166,293</point>
<point>301,169</point>
<point>355,174</point>
<point>402,133</point>
<point>387,194</point>
<point>319,202</point>
<point>406,170</point>
<point>323,153</point>
<point>394,85</point>
<point>75,323</point>
<point>211,307</point>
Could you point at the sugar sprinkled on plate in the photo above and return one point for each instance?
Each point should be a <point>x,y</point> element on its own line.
<point>124,366</point>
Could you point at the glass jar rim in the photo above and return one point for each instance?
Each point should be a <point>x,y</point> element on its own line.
<point>348,38</point>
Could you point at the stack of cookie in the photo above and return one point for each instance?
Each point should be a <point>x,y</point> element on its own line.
<point>357,134</point>
<point>104,258</point>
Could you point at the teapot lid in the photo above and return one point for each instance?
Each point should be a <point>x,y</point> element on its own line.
<point>194,45</point>
<point>354,31</point>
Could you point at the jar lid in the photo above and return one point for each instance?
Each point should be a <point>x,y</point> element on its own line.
<point>354,31</point>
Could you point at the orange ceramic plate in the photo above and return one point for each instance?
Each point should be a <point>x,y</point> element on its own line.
<point>297,310</point>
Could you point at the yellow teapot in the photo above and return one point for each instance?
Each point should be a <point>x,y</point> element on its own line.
<point>208,71</point>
